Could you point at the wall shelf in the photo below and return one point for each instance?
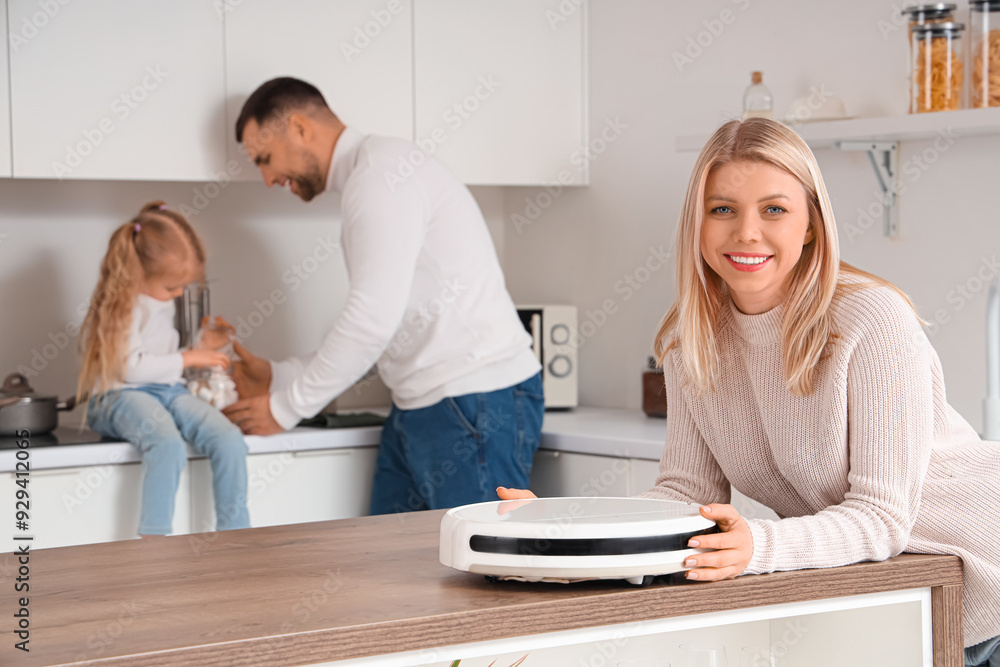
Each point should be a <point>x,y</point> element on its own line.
<point>964,123</point>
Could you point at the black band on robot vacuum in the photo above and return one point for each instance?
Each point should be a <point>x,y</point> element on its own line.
<point>601,546</point>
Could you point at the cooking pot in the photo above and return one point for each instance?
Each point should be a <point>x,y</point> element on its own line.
<point>22,410</point>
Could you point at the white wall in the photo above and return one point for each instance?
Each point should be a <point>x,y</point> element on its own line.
<point>580,246</point>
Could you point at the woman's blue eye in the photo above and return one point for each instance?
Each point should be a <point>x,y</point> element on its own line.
<point>774,210</point>
<point>722,209</point>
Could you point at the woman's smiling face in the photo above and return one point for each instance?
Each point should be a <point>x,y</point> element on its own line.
<point>756,223</point>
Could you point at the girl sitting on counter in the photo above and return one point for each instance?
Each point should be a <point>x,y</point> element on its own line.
<point>132,368</point>
<point>809,386</point>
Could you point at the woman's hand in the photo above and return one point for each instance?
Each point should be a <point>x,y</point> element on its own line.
<point>204,359</point>
<point>518,496</point>
<point>251,374</point>
<point>514,494</point>
<point>734,546</point>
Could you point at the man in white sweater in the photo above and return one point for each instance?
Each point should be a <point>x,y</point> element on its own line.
<point>427,303</point>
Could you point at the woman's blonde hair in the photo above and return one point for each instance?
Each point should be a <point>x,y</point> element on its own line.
<point>806,326</point>
<point>145,247</point>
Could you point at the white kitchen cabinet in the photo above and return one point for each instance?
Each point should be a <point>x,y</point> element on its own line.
<point>5,165</point>
<point>642,475</point>
<point>101,503</point>
<point>293,487</point>
<point>556,473</point>
<point>501,89</point>
<point>118,89</point>
<point>359,54</point>
<point>891,628</point>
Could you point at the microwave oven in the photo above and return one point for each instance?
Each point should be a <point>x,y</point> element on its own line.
<point>554,341</point>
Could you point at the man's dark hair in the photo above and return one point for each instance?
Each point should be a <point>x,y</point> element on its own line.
<point>280,95</point>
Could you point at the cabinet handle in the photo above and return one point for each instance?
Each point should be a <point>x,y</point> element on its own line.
<point>62,472</point>
<point>322,452</point>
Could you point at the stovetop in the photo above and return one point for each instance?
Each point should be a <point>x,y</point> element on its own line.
<point>64,435</point>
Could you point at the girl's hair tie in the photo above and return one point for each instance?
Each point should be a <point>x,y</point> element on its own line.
<point>162,207</point>
<point>137,227</point>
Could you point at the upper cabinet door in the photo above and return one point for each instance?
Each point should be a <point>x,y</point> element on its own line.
<point>4,95</point>
<point>358,53</point>
<point>500,88</point>
<point>117,89</point>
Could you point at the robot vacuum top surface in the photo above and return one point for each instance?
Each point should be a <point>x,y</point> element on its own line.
<point>585,516</point>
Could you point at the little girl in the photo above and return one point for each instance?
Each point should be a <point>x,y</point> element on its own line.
<point>809,386</point>
<point>132,369</point>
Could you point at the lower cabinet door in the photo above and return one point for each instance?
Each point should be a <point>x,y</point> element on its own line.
<point>293,487</point>
<point>642,475</point>
<point>563,474</point>
<point>69,506</point>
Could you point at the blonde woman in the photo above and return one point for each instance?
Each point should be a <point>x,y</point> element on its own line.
<point>809,386</point>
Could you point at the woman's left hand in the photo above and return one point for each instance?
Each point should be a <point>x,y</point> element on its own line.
<point>734,546</point>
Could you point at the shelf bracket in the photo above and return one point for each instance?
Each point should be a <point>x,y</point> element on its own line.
<point>884,156</point>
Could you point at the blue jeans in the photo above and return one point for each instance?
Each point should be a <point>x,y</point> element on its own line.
<point>985,654</point>
<point>459,450</point>
<point>159,419</point>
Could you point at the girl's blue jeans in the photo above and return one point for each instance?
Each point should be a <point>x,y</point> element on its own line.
<point>160,420</point>
<point>459,450</point>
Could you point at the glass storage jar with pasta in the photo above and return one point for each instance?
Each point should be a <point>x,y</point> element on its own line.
<point>984,17</point>
<point>936,12</point>
<point>938,67</point>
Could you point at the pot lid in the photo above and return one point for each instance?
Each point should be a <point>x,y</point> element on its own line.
<point>16,384</point>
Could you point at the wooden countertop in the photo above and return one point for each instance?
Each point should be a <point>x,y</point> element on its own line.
<point>308,593</point>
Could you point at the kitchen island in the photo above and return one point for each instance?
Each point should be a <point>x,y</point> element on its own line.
<point>349,590</point>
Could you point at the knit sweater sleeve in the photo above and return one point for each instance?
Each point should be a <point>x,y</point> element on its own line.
<point>890,418</point>
<point>688,469</point>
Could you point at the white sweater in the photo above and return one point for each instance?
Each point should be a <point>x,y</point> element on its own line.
<point>873,463</point>
<point>427,299</point>
<point>153,343</point>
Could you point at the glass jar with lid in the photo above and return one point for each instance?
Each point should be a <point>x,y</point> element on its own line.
<point>935,12</point>
<point>938,67</point>
<point>984,19</point>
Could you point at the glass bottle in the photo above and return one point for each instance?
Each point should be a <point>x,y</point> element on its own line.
<point>984,16</point>
<point>757,100</point>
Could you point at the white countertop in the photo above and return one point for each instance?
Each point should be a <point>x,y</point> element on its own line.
<point>606,432</point>
<point>601,431</point>
<point>104,453</point>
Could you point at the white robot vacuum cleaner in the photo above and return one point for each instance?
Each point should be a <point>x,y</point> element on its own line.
<point>572,539</point>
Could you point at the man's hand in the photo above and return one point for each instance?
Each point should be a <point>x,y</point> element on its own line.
<point>734,546</point>
<point>251,374</point>
<point>253,416</point>
<point>214,334</point>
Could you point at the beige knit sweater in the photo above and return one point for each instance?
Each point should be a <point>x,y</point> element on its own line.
<point>873,463</point>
